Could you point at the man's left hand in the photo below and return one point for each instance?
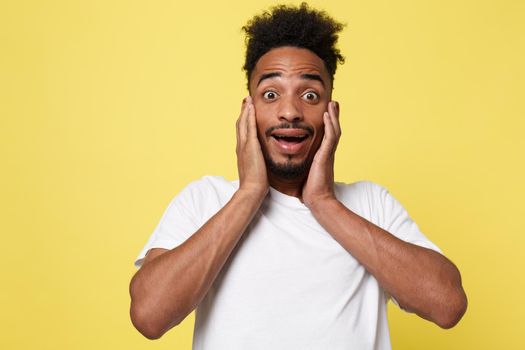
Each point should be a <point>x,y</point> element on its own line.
<point>319,185</point>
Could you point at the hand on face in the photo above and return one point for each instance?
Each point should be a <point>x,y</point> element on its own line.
<point>250,160</point>
<point>251,165</point>
<point>320,182</point>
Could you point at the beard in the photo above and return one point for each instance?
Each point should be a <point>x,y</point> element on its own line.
<point>287,170</point>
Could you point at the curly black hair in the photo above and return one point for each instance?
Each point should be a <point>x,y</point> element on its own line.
<point>293,26</point>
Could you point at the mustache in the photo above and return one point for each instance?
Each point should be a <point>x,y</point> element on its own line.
<point>293,125</point>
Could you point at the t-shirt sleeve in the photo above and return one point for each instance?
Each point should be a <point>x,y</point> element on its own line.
<point>395,220</point>
<point>179,221</point>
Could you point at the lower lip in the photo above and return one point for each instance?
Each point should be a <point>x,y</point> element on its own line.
<point>289,147</point>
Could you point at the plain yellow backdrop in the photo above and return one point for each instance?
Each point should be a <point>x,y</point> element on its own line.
<point>109,108</point>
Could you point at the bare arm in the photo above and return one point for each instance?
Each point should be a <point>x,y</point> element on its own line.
<point>171,283</point>
<point>421,280</point>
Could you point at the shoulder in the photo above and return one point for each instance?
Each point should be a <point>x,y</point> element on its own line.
<point>210,183</point>
<point>199,200</point>
<point>376,204</point>
<point>365,198</point>
<point>364,190</point>
<point>208,189</point>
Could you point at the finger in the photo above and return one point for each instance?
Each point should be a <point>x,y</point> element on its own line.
<point>334,116</point>
<point>332,127</point>
<point>329,129</point>
<point>252,123</point>
<point>246,114</point>
<point>237,121</point>
<point>329,138</point>
<point>239,127</point>
<point>242,122</point>
<point>243,104</point>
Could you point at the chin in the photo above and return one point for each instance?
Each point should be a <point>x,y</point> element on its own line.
<point>289,170</point>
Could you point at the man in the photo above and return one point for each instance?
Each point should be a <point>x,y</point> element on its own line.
<point>285,258</point>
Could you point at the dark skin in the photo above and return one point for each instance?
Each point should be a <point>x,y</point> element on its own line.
<point>290,85</point>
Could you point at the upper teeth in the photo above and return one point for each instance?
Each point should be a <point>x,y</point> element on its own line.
<point>283,136</point>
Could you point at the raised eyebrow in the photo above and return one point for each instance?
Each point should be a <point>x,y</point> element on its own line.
<point>313,77</point>
<point>268,76</point>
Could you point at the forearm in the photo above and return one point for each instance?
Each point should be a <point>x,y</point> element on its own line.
<point>421,280</point>
<point>166,289</point>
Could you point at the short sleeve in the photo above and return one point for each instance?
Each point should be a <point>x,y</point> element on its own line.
<point>178,223</point>
<point>396,220</point>
<point>188,211</point>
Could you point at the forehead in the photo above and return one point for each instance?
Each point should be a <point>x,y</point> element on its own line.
<point>290,62</point>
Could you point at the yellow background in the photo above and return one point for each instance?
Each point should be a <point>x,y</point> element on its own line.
<point>109,108</point>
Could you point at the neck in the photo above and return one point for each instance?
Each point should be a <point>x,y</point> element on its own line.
<point>290,187</point>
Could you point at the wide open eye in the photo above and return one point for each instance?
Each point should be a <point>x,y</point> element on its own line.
<point>311,96</point>
<point>270,95</point>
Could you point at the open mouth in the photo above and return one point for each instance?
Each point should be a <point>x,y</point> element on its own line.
<point>291,141</point>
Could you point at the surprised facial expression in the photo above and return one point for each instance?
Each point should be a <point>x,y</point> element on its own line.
<point>291,89</point>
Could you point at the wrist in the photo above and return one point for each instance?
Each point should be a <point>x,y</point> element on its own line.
<point>322,204</point>
<point>253,193</point>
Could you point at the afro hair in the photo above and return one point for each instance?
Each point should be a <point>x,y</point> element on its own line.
<point>293,26</point>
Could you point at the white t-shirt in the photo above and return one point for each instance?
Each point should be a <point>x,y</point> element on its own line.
<point>288,284</point>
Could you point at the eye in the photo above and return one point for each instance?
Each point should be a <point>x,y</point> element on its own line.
<point>270,95</point>
<point>311,96</point>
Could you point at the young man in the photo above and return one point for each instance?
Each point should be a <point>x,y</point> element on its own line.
<point>284,258</point>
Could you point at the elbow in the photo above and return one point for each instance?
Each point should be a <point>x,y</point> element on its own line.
<point>150,321</point>
<point>453,310</point>
<point>453,300</point>
<point>144,325</point>
<point>148,314</point>
<point>143,317</point>
<point>148,325</point>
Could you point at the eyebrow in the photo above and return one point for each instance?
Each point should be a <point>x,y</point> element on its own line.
<point>268,76</point>
<point>306,76</point>
<point>313,77</point>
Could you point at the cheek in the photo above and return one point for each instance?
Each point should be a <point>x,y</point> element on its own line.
<point>263,115</point>
<point>315,118</point>
<point>262,109</point>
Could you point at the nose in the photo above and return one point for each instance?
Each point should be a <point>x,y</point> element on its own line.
<point>290,110</point>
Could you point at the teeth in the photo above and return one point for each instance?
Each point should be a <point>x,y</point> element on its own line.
<point>292,137</point>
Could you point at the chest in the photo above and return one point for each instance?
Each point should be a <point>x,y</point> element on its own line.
<point>284,257</point>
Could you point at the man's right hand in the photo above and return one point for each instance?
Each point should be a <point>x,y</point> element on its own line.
<point>250,161</point>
